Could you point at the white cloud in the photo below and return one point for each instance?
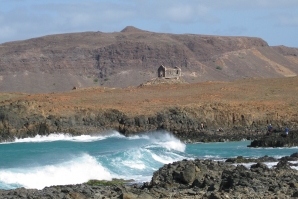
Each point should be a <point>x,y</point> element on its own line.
<point>288,20</point>
<point>188,13</point>
<point>180,14</point>
<point>250,4</point>
<point>21,19</point>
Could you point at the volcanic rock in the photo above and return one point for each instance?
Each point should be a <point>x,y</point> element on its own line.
<point>277,139</point>
<point>186,179</point>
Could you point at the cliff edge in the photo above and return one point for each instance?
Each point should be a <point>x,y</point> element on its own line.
<point>195,112</point>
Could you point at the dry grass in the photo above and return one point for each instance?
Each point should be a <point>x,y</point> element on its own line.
<point>278,93</point>
<point>10,96</point>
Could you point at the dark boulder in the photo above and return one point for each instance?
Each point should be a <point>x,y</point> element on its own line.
<point>283,164</point>
<point>276,139</point>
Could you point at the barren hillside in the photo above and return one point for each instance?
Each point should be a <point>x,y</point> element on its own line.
<point>128,58</point>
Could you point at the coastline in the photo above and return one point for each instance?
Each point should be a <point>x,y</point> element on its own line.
<point>21,121</point>
<point>188,111</point>
<point>180,109</point>
<point>190,179</point>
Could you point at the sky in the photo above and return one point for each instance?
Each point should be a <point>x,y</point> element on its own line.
<point>275,21</point>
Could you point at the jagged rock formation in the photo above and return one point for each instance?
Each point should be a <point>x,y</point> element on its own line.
<point>241,159</point>
<point>131,57</point>
<point>277,139</point>
<point>187,179</point>
<point>219,180</point>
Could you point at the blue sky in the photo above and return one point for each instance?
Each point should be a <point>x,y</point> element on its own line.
<point>275,21</point>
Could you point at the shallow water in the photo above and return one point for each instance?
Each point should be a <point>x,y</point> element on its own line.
<point>60,159</point>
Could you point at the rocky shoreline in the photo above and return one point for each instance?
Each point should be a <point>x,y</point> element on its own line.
<point>192,112</point>
<point>189,179</point>
<point>276,139</point>
<point>210,123</point>
<point>18,120</point>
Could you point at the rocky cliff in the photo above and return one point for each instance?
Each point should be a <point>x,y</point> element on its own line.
<point>192,112</point>
<point>186,125</point>
<point>131,57</point>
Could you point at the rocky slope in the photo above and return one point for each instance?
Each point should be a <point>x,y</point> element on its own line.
<point>188,179</point>
<point>131,57</point>
<point>192,112</point>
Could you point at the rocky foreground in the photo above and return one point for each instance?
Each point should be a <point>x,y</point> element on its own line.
<point>189,179</point>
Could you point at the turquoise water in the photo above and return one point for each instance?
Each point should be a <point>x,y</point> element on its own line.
<point>60,159</point>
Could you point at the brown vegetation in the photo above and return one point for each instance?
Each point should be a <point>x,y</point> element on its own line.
<point>275,94</point>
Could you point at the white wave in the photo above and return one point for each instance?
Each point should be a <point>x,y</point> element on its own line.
<point>79,170</point>
<point>173,145</point>
<point>153,135</point>
<point>137,137</point>
<point>162,159</point>
<point>248,165</point>
<point>67,137</point>
<point>214,157</point>
<point>163,139</point>
<point>134,159</point>
<point>269,164</point>
<point>168,158</point>
<point>134,164</point>
<point>294,162</point>
<point>210,156</point>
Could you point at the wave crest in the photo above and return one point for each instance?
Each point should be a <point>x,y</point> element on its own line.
<point>68,137</point>
<point>163,139</point>
<point>78,170</point>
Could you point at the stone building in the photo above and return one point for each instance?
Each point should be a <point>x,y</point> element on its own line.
<point>168,73</point>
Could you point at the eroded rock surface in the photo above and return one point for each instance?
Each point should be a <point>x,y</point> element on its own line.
<point>277,139</point>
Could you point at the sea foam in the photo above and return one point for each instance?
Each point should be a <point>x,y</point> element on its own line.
<point>162,139</point>
<point>67,137</point>
<point>78,170</point>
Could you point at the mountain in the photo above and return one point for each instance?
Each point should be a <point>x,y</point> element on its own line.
<point>57,63</point>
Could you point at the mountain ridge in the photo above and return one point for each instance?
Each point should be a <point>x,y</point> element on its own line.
<point>57,63</point>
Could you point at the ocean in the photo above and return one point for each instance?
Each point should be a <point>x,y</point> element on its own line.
<point>60,159</point>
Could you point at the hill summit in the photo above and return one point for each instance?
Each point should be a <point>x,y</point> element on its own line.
<point>131,29</point>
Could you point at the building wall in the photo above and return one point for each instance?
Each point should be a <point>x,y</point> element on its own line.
<point>169,72</point>
<point>172,73</point>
